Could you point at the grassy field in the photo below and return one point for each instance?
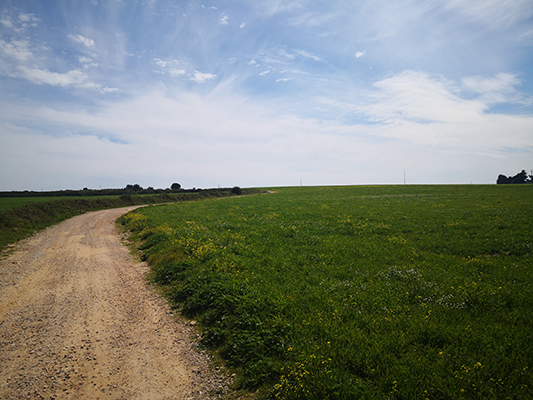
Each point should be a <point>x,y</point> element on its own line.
<point>386,292</point>
<point>7,203</point>
<point>21,217</point>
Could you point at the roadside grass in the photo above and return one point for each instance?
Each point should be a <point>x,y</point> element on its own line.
<point>27,215</point>
<point>385,292</point>
<point>7,203</point>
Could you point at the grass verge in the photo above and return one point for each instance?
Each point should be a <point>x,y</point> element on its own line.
<point>19,222</point>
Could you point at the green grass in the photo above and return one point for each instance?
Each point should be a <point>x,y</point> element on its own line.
<point>7,203</point>
<point>28,215</point>
<point>386,292</point>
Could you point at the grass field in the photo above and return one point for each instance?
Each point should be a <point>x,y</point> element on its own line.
<point>21,217</point>
<point>7,203</point>
<point>386,292</point>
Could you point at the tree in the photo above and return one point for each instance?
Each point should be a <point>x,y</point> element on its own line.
<point>175,186</point>
<point>134,188</point>
<point>236,190</point>
<point>519,178</point>
<point>502,180</point>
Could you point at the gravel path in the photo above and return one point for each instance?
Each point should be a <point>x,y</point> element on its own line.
<point>77,321</point>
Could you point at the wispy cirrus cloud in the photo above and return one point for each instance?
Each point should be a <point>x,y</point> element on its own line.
<point>501,88</point>
<point>493,13</point>
<point>307,54</point>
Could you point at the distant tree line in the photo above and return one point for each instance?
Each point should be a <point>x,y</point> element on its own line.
<point>521,177</point>
<point>131,189</point>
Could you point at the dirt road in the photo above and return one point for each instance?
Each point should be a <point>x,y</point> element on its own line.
<point>77,321</point>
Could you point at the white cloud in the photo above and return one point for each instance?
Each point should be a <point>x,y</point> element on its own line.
<point>360,54</point>
<point>40,76</point>
<point>242,25</point>
<point>160,62</point>
<point>223,20</point>
<point>28,18</point>
<point>306,54</point>
<point>87,62</point>
<point>264,72</point>
<point>176,72</point>
<point>271,8</point>
<point>276,148</point>
<point>498,89</point>
<point>83,40</point>
<point>495,14</point>
<point>74,78</point>
<point>174,68</point>
<point>200,77</point>
<point>428,110</point>
<point>6,22</point>
<point>18,49</point>
<point>419,97</point>
<point>109,90</point>
<point>20,24</point>
<point>283,79</point>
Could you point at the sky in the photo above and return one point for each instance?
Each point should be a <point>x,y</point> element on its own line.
<point>102,94</point>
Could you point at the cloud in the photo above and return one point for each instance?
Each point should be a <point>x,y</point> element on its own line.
<point>20,24</point>
<point>83,40</point>
<point>495,14</point>
<point>109,90</point>
<point>40,76</point>
<point>200,77</point>
<point>87,62</point>
<point>18,49</point>
<point>276,147</point>
<point>176,72</point>
<point>6,22</point>
<point>74,78</point>
<point>360,54</point>
<point>306,54</point>
<point>265,72</point>
<point>242,25</point>
<point>28,18</point>
<point>174,68</point>
<point>223,20</point>
<point>429,110</point>
<point>421,98</point>
<point>498,89</point>
<point>160,62</point>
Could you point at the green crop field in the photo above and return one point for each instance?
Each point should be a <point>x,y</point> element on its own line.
<point>385,292</point>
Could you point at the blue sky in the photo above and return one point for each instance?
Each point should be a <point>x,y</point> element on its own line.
<point>100,93</point>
